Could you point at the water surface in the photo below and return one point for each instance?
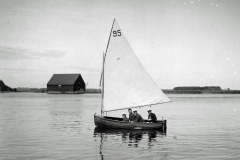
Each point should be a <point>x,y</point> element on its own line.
<point>60,126</point>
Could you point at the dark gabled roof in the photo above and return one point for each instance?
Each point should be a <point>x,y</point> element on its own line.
<point>63,79</point>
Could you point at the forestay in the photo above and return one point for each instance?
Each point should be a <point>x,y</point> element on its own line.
<point>126,82</point>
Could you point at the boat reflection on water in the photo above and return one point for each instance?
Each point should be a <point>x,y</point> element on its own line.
<point>131,138</point>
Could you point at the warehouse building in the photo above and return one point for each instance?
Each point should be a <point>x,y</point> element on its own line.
<point>66,83</point>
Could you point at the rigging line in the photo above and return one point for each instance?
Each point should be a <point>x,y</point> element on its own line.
<point>110,36</point>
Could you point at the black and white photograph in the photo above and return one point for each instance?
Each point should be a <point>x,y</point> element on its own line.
<point>119,79</point>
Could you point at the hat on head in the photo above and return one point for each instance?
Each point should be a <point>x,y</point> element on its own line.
<point>129,109</point>
<point>134,110</point>
<point>149,109</point>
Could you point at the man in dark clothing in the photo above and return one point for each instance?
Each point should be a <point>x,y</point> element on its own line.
<point>131,115</point>
<point>151,116</point>
<point>138,117</point>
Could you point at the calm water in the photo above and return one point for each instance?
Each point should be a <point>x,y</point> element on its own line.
<point>48,126</point>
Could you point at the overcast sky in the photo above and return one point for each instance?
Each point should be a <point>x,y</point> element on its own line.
<point>179,42</point>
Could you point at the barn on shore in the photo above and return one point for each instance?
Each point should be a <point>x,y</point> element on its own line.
<point>5,88</point>
<point>66,83</point>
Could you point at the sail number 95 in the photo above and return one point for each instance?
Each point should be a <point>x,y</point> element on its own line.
<point>117,33</point>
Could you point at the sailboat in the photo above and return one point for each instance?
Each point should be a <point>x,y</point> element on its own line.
<point>126,84</point>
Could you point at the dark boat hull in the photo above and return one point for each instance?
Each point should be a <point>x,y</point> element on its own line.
<point>114,122</point>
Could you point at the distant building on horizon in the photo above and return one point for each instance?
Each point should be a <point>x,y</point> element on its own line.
<point>66,83</point>
<point>5,88</point>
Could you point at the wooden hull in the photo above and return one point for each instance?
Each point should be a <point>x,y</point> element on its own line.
<point>114,122</point>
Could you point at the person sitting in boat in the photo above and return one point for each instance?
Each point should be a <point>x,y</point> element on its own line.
<point>131,115</point>
<point>124,117</point>
<point>138,117</point>
<point>151,116</point>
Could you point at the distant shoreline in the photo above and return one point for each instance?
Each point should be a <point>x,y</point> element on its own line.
<point>166,91</point>
<point>171,91</point>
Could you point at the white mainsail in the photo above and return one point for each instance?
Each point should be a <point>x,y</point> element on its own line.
<point>126,82</point>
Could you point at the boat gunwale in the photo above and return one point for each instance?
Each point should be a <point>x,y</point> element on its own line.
<point>112,120</point>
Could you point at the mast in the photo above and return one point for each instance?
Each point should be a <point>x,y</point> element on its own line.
<point>102,81</point>
<point>104,56</point>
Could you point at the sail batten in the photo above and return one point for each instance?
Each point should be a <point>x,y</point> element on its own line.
<point>126,82</point>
